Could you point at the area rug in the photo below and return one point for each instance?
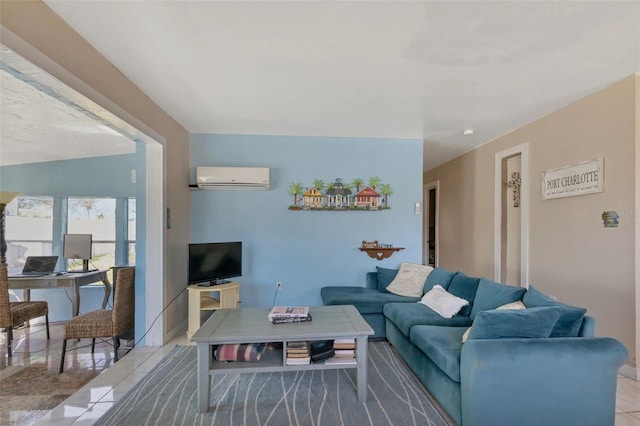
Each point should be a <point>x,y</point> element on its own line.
<point>32,391</point>
<point>167,396</point>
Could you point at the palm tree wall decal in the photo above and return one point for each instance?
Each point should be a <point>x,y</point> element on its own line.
<point>295,189</point>
<point>374,181</point>
<point>357,182</point>
<point>318,184</point>
<point>386,190</point>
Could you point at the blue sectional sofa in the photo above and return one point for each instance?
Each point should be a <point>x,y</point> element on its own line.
<point>537,366</point>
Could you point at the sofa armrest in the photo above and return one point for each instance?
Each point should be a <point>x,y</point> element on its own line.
<point>372,280</point>
<point>555,381</point>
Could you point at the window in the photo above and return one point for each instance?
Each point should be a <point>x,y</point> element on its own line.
<point>28,229</point>
<point>131,231</point>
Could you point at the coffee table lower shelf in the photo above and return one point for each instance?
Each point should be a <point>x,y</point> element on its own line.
<point>272,361</point>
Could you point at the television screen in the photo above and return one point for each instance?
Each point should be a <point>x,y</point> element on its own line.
<point>213,262</point>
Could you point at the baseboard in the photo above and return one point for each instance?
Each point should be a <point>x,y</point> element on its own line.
<point>181,327</point>
<point>630,372</point>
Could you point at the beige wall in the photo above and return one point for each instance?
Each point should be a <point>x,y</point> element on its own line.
<point>71,59</point>
<point>572,256</point>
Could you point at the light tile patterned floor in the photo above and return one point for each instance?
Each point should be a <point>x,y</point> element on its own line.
<point>86,405</point>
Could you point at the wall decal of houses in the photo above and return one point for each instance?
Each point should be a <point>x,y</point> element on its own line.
<point>340,196</point>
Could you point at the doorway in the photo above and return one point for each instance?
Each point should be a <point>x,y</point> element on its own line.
<point>430,225</point>
<point>511,251</point>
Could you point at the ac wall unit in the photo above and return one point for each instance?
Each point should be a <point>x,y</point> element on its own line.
<point>247,178</point>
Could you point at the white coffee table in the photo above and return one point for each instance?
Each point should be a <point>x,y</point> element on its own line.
<point>250,325</point>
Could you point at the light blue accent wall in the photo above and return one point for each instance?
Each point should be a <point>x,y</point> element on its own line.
<point>307,250</point>
<point>108,176</point>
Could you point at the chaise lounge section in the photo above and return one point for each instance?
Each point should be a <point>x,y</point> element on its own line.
<point>539,365</point>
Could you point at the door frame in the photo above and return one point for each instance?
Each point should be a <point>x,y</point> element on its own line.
<point>425,224</point>
<point>523,151</point>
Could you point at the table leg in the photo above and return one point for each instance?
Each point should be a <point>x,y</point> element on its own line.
<point>202,377</point>
<point>26,296</point>
<point>107,290</point>
<point>75,299</point>
<point>362,362</point>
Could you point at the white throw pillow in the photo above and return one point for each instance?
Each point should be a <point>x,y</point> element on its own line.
<point>443,302</point>
<point>409,280</point>
<point>513,305</point>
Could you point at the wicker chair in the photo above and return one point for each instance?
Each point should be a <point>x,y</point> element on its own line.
<point>105,323</point>
<point>16,313</point>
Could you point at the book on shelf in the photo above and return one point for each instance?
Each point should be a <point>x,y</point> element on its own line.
<point>319,357</point>
<point>288,311</point>
<point>344,344</point>
<point>296,355</point>
<point>288,320</point>
<point>298,361</point>
<point>340,360</point>
<point>345,352</point>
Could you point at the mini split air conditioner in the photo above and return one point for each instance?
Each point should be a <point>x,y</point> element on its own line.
<point>248,178</point>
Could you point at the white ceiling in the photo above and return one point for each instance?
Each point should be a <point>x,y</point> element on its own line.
<point>380,69</point>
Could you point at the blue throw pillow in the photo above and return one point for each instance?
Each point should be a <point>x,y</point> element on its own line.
<point>385,276</point>
<point>491,294</point>
<point>439,276</point>
<point>570,320</point>
<point>514,323</point>
<point>464,287</point>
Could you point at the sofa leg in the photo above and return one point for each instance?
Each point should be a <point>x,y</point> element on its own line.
<point>64,349</point>
<point>46,321</point>
<point>116,344</point>
<point>93,345</point>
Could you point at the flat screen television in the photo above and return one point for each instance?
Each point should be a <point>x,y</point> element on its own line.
<point>78,247</point>
<point>212,263</point>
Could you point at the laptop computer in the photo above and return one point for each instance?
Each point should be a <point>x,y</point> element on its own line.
<point>37,266</point>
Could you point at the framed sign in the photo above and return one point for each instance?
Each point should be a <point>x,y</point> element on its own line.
<point>577,179</point>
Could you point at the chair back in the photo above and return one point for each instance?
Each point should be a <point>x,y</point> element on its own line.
<point>5,311</point>
<point>123,301</point>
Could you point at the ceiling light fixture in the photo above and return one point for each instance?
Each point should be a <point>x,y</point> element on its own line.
<point>468,132</point>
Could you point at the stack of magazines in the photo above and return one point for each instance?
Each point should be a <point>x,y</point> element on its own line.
<point>289,314</point>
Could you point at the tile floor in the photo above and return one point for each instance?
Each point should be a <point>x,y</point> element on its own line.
<point>89,402</point>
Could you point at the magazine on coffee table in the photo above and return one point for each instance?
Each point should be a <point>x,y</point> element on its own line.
<point>288,312</point>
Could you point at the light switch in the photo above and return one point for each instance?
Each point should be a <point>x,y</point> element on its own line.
<point>417,210</point>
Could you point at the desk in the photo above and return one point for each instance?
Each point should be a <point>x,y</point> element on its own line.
<point>72,281</point>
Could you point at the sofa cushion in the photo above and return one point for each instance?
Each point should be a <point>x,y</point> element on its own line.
<point>366,300</point>
<point>513,305</point>
<point>438,276</point>
<point>410,280</point>
<point>406,315</point>
<point>491,294</point>
<point>442,345</point>
<point>465,287</point>
<point>568,325</point>
<point>442,302</point>
<point>385,276</point>
<point>515,323</point>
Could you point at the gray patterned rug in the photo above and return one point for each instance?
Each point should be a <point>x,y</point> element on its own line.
<point>167,396</point>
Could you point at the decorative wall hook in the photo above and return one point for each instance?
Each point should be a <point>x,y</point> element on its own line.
<point>515,184</point>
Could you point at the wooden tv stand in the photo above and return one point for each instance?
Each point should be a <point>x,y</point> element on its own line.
<point>201,299</point>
